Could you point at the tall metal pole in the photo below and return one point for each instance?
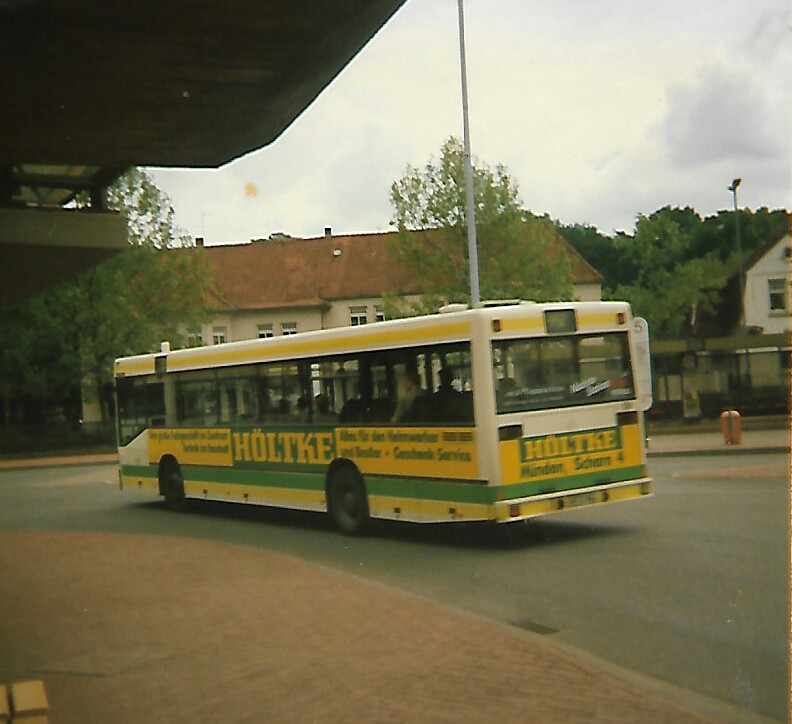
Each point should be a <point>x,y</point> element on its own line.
<point>733,189</point>
<point>470,210</point>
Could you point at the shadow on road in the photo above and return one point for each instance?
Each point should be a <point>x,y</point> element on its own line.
<point>473,535</point>
<point>525,534</point>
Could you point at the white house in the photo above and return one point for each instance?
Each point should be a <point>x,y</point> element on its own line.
<point>767,288</point>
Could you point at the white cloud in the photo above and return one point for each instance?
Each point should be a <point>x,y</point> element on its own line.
<point>720,116</point>
<point>599,110</point>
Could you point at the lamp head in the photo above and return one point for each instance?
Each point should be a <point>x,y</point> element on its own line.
<point>735,184</point>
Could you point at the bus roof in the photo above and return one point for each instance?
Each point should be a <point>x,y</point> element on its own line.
<point>513,320</point>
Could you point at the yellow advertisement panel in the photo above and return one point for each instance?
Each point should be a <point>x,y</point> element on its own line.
<point>546,457</point>
<point>404,451</point>
<point>285,448</point>
<point>429,452</point>
<point>200,446</point>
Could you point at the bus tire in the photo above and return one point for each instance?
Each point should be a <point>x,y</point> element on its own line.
<point>347,500</point>
<point>173,490</point>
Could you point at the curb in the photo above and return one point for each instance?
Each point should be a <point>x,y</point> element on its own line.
<point>59,462</point>
<point>717,451</point>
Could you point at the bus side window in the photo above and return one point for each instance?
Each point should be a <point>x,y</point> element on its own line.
<point>238,403</point>
<point>196,399</point>
<point>280,394</point>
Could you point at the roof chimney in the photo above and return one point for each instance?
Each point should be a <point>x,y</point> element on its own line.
<point>199,241</point>
<point>328,230</point>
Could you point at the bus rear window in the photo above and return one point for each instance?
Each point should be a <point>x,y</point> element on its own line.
<point>542,373</point>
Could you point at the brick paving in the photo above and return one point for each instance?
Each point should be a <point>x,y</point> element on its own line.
<point>148,629</point>
<point>125,628</point>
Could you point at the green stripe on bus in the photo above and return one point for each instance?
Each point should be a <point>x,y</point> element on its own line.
<point>142,471</point>
<point>408,488</point>
<point>419,489</point>
<point>414,488</point>
<point>584,480</point>
<point>231,476</point>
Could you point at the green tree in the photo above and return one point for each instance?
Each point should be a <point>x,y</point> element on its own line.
<point>670,284</point>
<point>599,250</point>
<point>519,254</point>
<point>37,359</point>
<point>66,339</point>
<point>717,232</point>
<point>711,236</point>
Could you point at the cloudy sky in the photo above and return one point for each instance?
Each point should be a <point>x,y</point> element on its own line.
<point>600,109</point>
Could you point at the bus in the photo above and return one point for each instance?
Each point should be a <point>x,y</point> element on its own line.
<point>515,410</point>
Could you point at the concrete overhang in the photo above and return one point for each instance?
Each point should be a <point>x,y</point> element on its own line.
<point>40,248</point>
<point>177,83</point>
<point>89,89</point>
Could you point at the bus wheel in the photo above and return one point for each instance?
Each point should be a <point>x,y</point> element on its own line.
<point>347,501</point>
<point>173,490</point>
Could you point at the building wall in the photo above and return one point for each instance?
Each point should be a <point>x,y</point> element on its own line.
<point>587,292</point>
<point>239,325</point>
<point>340,312</point>
<point>244,324</point>
<point>774,265</point>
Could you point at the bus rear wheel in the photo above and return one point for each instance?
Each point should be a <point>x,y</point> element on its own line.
<point>347,501</point>
<point>173,491</point>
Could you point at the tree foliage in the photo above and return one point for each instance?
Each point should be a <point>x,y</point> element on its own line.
<point>675,264</point>
<point>599,250</point>
<point>66,338</point>
<point>670,284</point>
<point>518,253</point>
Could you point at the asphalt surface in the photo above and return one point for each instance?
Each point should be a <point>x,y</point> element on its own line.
<point>119,675</point>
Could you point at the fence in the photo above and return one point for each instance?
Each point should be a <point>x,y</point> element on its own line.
<point>697,378</point>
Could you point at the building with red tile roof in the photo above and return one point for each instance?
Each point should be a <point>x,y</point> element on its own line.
<point>282,285</point>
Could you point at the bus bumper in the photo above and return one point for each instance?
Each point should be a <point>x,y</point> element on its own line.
<point>508,511</point>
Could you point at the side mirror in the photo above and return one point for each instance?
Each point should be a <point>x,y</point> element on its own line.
<point>642,363</point>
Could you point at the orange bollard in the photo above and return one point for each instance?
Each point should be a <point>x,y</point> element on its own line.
<point>731,426</point>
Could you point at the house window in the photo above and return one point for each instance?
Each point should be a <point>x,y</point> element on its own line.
<point>776,289</point>
<point>265,331</point>
<point>288,328</point>
<point>358,316</point>
<point>379,314</point>
<point>784,363</point>
<point>218,335</point>
<point>194,337</point>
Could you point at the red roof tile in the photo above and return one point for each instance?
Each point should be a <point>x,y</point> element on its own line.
<point>289,273</point>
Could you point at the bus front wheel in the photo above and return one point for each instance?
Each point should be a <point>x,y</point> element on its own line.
<point>347,501</point>
<point>173,491</point>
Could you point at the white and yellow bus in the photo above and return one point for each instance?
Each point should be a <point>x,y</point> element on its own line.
<point>517,410</point>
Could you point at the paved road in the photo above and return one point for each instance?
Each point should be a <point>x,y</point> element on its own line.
<point>690,587</point>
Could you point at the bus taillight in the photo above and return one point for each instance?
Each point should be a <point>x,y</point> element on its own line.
<point>509,432</point>
<point>626,418</point>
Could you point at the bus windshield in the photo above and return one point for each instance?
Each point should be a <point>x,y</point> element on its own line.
<point>547,372</point>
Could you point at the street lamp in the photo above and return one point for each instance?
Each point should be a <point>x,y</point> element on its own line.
<point>733,189</point>
<point>470,212</point>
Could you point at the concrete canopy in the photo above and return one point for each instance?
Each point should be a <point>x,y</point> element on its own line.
<point>89,89</point>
